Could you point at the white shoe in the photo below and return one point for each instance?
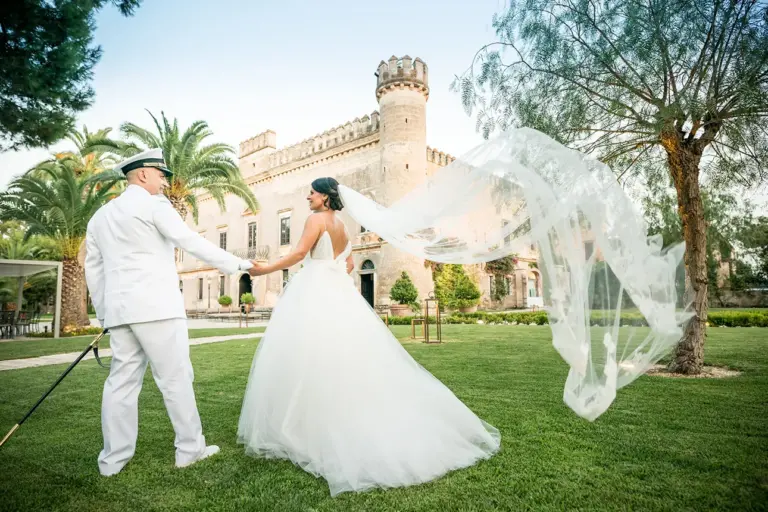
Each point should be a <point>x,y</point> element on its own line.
<point>110,469</point>
<point>209,450</point>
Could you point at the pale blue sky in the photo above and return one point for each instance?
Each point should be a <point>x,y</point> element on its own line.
<point>297,68</point>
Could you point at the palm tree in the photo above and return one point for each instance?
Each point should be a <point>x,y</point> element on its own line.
<point>197,168</point>
<point>89,157</point>
<point>57,203</point>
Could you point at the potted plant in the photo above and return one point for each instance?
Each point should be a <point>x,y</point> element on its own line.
<point>248,300</point>
<point>226,301</point>
<point>404,293</point>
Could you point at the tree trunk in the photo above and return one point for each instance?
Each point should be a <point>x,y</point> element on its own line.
<point>683,160</point>
<point>180,205</point>
<point>74,309</point>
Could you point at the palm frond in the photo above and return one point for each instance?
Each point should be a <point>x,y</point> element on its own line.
<point>57,203</point>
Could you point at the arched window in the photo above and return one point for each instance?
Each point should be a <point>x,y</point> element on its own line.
<point>367,265</point>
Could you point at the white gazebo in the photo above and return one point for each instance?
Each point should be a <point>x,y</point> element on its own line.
<point>25,268</point>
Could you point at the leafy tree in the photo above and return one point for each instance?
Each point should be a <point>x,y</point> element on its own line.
<point>466,293</point>
<point>46,61</point>
<point>681,82</point>
<point>454,288</point>
<point>732,234</point>
<point>752,270</point>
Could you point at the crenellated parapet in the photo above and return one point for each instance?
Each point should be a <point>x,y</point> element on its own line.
<point>440,158</point>
<point>404,73</point>
<point>264,140</point>
<point>358,128</point>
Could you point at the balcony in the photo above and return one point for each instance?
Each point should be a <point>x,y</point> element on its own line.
<point>260,252</point>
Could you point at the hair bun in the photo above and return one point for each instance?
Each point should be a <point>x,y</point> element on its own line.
<point>334,200</point>
<point>330,187</point>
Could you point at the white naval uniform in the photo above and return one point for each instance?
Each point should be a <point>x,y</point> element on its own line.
<point>131,274</point>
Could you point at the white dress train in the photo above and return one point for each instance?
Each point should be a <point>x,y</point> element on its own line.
<point>332,390</point>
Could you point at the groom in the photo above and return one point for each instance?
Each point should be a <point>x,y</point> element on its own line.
<point>131,274</point>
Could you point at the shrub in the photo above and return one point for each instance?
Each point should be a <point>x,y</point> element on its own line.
<point>68,333</point>
<point>403,291</point>
<point>466,293</point>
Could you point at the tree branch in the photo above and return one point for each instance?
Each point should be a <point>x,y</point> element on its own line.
<point>649,98</point>
<point>638,117</point>
<point>702,54</point>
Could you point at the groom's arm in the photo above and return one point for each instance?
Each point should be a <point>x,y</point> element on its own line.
<point>169,223</point>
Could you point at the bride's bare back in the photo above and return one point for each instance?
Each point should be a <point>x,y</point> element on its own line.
<point>336,230</point>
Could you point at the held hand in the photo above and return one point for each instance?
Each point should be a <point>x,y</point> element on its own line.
<point>258,270</point>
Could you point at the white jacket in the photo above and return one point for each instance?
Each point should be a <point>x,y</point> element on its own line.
<point>129,264</point>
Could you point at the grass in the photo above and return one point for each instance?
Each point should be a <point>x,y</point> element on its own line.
<point>46,346</point>
<point>665,444</point>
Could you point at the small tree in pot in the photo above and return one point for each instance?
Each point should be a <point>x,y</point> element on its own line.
<point>248,300</point>
<point>405,294</point>
<point>226,301</point>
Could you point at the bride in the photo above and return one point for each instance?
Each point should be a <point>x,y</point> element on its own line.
<point>332,390</point>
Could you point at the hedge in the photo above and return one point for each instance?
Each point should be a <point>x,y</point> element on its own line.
<point>78,331</point>
<point>715,318</point>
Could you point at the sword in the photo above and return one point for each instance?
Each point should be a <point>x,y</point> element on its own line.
<point>94,345</point>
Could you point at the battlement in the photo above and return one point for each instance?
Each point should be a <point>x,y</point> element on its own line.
<point>358,128</point>
<point>264,140</point>
<point>438,157</point>
<point>402,73</point>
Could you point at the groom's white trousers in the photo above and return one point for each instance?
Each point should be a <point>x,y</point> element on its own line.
<point>164,344</point>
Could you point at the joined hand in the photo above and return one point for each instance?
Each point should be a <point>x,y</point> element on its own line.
<point>257,269</point>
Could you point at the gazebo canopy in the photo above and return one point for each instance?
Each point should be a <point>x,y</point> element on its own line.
<point>25,268</point>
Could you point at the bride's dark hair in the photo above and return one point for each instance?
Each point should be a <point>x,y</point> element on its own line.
<point>329,187</point>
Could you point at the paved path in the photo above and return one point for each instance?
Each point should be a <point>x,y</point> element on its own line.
<point>205,323</point>
<point>32,362</point>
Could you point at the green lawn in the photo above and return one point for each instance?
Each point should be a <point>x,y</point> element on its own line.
<point>665,444</point>
<point>48,346</point>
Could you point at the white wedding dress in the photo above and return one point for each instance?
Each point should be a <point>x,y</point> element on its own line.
<point>332,390</point>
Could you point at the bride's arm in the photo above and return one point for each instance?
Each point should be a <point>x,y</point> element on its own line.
<point>312,231</point>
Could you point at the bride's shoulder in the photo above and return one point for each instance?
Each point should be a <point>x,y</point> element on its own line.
<point>314,219</point>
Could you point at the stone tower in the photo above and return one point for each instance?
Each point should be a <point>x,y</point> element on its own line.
<point>402,91</point>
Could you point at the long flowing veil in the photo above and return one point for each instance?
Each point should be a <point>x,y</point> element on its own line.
<point>524,188</point>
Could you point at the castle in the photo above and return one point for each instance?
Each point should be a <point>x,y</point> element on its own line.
<point>383,155</point>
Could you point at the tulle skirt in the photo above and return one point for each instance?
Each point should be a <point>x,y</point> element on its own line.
<point>332,390</point>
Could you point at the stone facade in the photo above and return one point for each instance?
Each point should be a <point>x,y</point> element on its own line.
<point>382,155</point>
